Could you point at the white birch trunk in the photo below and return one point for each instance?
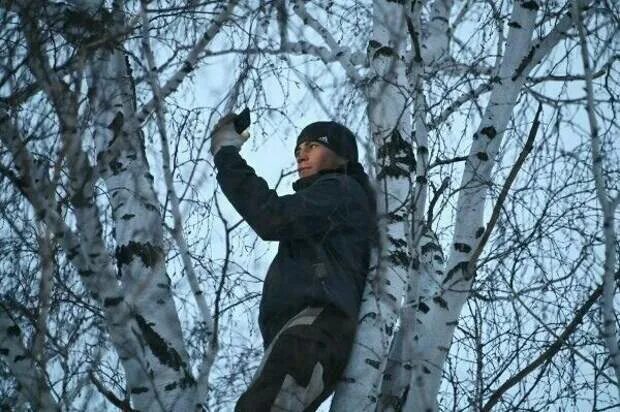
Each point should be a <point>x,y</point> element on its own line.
<point>85,250</point>
<point>430,348</point>
<point>154,368</point>
<point>163,380</point>
<point>424,249</point>
<point>23,366</point>
<point>207,322</point>
<point>390,129</point>
<point>139,310</point>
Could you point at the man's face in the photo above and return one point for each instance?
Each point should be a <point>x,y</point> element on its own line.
<point>313,156</point>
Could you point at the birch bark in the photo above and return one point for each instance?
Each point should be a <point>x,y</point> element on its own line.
<point>390,129</point>
<point>423,246</point>
<point>431,347</point>
<point>141,316</point>
<point>163,380</point>
<point>22,364</point>
<point>153,354</point>
<point>122,163</point>
<point>207,321</point>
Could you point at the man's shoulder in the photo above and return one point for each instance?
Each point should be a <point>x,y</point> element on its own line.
<point>344,183</point>
<point>335,176</point>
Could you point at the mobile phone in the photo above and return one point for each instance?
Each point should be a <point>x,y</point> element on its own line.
<point>242,121</point>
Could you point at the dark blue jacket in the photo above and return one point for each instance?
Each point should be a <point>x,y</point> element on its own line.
<point>324,229</point>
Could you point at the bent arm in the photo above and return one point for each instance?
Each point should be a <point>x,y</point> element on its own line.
<point>274,217</point>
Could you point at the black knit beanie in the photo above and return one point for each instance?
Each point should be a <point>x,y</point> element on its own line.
<point>333,135</point>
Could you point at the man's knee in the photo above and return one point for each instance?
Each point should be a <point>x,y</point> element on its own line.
<point>291,378</point>
<point>296,397</point>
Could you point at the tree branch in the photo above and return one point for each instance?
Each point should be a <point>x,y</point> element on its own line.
<point>549,353</point>
<point>610,334</point>
<point>190,62</point>
<point>342,54</point>
<point>529,145</point>
<point>177,231</point>
<point>123,405</point>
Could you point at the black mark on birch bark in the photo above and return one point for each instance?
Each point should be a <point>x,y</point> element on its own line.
<point>158,346</point>
<point>441,302</point>
<point>482,156</point>
<point>108,302</point>
<point>13,330</point>
<point>429,247</point>
<point>489,131</point>
<point>462,247</point>
<point>375,364</point>
<point>20,358</point>
<point>149,253</point>
<point>459,266</point>
<point>424,308</point>
<point>378,49</point>
<point>530,5</point>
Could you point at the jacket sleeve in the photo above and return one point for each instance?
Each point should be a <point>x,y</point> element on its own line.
<point>307,212</point>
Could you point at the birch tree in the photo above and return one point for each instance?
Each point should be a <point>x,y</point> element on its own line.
<point>412,45</point>
<point>496,178</point>
<point>73,60</point>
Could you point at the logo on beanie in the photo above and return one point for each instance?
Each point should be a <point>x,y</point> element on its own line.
<point>323,139</point>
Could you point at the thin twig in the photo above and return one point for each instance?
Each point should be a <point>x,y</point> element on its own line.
<point>549,353</point>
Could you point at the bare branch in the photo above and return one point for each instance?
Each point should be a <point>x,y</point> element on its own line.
<point>529,145</point>
<point>610,333</point>
<point>190,61</point>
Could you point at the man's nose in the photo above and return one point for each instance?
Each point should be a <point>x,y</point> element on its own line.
<point>301,155</point>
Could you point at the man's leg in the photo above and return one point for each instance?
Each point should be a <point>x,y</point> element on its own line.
<point>301,367</point>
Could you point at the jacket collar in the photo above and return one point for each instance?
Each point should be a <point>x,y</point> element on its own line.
<point>304,182</point>
<point>351,169</point>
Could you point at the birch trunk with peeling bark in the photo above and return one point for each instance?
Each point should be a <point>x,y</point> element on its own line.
<point>426,262</point>
<point>162,379</point>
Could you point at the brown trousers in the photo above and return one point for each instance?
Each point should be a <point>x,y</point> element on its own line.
<point>301,367</point>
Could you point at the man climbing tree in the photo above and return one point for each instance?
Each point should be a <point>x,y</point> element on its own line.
<point>311,295</point>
